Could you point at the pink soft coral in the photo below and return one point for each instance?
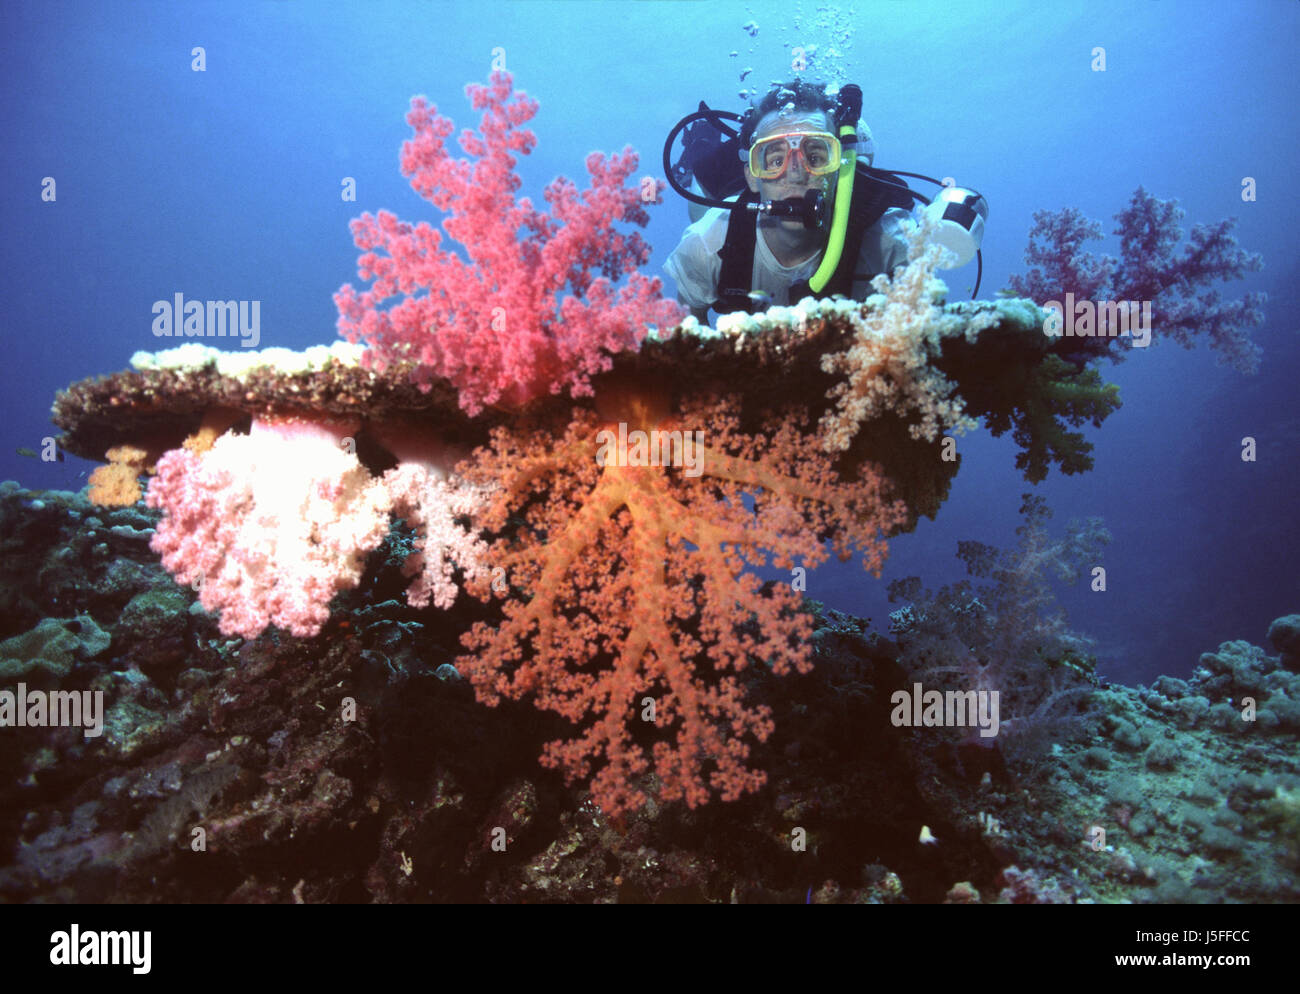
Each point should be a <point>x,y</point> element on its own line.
<point>270,525</point>
<point>500,325</point>
<point>432,506</point>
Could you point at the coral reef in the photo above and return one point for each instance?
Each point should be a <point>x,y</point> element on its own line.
<point>356,766</point>
<point>618,593</point>
<point>640,571</point>
<point>608,554</point>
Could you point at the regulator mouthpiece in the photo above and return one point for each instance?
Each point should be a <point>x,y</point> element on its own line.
<point>810,208</point>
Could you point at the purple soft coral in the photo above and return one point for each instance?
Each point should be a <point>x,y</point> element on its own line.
<point>1177,285</point>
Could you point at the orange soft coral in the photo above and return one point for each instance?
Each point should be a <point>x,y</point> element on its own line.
<point>629,583</point>
<point>117,484</point>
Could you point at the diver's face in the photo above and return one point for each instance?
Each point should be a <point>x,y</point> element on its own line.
<point>796,180</point>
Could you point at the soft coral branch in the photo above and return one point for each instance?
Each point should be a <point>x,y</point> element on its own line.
<point>631,582</point>
<point>434,507</point>
<point>270,525</point>
<point>888,365</point>
<point>535,307</point>
<point>1150,268</point>
<point>1006,633</point>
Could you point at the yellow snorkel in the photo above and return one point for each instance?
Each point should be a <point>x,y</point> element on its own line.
<point>846,120</point>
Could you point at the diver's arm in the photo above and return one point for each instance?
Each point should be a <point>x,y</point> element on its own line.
<point>884,249</point>
<point>695,266</point>
<point>701,314</point>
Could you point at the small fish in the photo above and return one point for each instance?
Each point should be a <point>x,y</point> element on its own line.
<point>23,450</point>
<point>761,298</point>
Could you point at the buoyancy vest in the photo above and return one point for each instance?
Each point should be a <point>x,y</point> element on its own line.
<point>870,201</point>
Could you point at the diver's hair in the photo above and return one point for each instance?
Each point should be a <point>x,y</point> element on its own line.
<point>797,94</point>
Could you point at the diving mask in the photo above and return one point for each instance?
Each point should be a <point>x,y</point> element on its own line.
<point>769,158</point>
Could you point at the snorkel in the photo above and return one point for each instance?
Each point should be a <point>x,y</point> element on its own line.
<point>847,111</point>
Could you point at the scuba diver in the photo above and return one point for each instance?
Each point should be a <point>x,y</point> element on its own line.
<point>789,205</point>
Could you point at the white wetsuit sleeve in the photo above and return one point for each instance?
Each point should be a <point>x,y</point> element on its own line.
<point>884,248</point>
<point>694,263</point>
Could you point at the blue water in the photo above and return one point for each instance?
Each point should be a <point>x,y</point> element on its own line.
<point>225,184</point>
